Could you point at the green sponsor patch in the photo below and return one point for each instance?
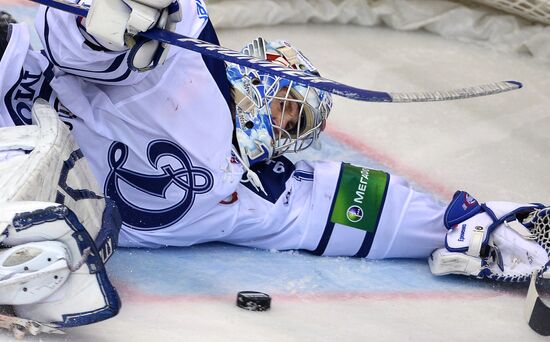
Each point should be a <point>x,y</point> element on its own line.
<point>360,197</point>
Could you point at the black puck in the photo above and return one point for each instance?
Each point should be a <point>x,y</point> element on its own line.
<point>253,300</point>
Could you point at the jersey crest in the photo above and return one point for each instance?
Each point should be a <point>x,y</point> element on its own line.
<point>169,190</point>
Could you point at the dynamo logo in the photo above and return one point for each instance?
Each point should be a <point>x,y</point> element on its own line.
<point>169,190</point>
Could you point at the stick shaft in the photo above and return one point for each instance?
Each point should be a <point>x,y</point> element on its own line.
<point>299,76</point>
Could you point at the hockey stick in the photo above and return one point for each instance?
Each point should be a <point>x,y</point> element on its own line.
<point>299,76</point>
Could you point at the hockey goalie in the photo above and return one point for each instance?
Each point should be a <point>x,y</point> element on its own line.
<point>56,231</point>
<point>201,145</point>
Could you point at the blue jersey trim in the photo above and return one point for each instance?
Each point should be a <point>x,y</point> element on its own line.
<point>274,183</point>
<point>329,226</point>
<point>118,61</point>
<point>301,175</point>
<point>369,237</point>
<point>215,66</point>
<point>17,103</point>
<point>46,90</point>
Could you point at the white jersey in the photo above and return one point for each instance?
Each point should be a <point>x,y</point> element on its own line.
<point>160,145</point>
<point>25,76</point>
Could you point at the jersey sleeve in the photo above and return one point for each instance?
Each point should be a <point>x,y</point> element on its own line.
<point>338,209</point>
<point>69,48</point>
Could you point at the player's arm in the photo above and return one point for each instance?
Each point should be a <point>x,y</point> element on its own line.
<point>341,209</point>
<point>104,47</point>
<point>56,229</point>
<point>337,209</point>
<point>332,209</point>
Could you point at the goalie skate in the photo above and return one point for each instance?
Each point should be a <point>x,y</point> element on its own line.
<point>20,327</point>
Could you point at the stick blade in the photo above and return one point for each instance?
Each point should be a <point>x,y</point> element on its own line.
<point>540,318</point>
<point>457,94</point>
<point>537,313</point>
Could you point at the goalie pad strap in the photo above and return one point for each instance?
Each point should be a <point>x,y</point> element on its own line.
<point>442,262</point>
<point>476,242</point>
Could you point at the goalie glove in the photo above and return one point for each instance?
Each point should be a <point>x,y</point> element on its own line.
<point>114,24</point>
<point>501,241</point>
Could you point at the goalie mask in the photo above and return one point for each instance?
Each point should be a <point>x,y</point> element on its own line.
<point>274,115</point>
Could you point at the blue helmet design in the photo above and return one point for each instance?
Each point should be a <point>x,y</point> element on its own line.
<point>274,115</point>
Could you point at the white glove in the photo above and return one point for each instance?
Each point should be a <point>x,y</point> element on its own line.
<point>115,24</point>
<point>502,241</point>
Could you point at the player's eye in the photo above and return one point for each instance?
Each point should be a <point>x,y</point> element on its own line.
<point>291,127</point>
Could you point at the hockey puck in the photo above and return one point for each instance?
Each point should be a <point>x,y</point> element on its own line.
<point>253,301</point>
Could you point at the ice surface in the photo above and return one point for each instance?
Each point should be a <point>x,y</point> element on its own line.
<point>494,147</point>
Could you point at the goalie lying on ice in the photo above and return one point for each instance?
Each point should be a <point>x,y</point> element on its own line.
<point>180,180</point>
<point>57,231</point>
<point>193,151</point>
<point>201,155</point>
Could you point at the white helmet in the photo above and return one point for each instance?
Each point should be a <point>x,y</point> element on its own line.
<point>274,115</point>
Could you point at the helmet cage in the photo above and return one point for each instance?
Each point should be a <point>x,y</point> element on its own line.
<point>310,114</point>
<point>259,133</point>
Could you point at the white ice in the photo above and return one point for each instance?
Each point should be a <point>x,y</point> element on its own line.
<point>495,147</point>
